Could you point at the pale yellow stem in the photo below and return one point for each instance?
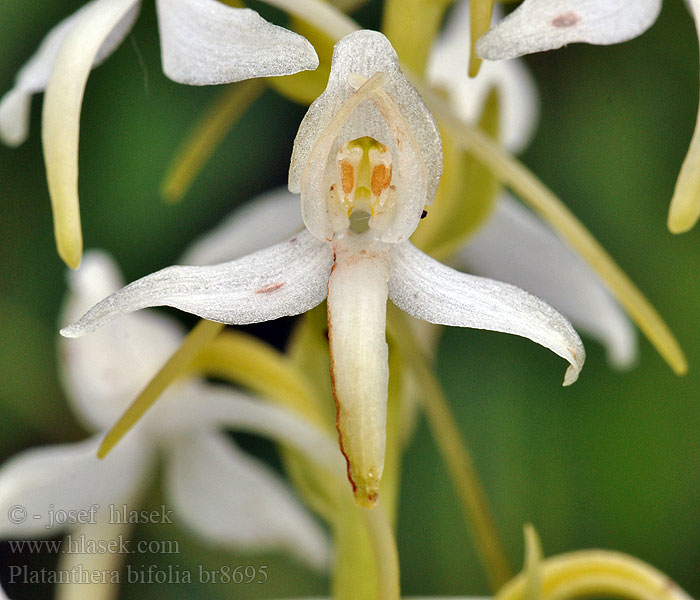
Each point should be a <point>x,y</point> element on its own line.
<point>213,126</point>
<point>456,456</point>
<point>366,564</point>
<point>479,23</point>
<point>203,333</point>
<point>391,478</point>
<point>386,553</point>
<point>596,573</point>
<point>526,185</point>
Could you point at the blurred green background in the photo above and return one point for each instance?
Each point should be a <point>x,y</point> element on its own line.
<point>612,462</point>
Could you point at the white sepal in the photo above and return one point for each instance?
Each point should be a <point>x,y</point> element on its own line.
<point>234,500</point>
<point>684,211</point>
<point>429,290</point>
<point>367,95</point>
<point>286,279</point>
<point>104,22</point>
<point>265,220</point>
<point>538,25</point>
<point>217,406</point>
<point>68,477</point>
<point>516,247</point>
<point>357,295</point>
<point>205,42</point>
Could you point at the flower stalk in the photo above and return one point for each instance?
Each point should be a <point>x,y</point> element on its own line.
<point>456,456</point>
<point>213,125</point>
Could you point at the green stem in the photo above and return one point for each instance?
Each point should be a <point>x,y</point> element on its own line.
<point>214,124</point>
<point>386,553</point>
<point>457,458</point>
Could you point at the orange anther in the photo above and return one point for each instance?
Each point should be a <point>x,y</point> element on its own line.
<point>347,176</point>
<point>381,178</point>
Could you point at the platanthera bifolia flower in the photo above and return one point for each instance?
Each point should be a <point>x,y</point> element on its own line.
<point>367,159</point>
<point>213,488</point>
<point>512,245</point>
<point>538,25</point>
<point>203,42</point>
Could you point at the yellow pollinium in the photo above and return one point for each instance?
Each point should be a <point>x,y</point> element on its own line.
<point>364,174</point>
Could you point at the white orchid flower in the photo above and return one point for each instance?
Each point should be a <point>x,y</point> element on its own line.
<point>515,245</point>
<point>538,25</point>
<point>203,42</point>
<point>366,160</point>
<point>215,490</point>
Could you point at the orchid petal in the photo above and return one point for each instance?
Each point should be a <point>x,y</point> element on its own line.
<point>538,25</point>
<point>234,500</point>
<point>429,290</point>
<point>68,477</point>
<point>211,406</point>
<point>684,210</point>
<point>34,75</point>
<point>286,279</point>
<point>519,101</point>
<point>100,25</point>
<point>205,42</point>
<point>262,222</point>
<point>516,247</point>
<point>367,95</point>
<point>357,295</point>
<point>102,373</point>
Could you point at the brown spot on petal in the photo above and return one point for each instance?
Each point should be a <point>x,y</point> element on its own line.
<point>568,19</point>
<point>269,288</point>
